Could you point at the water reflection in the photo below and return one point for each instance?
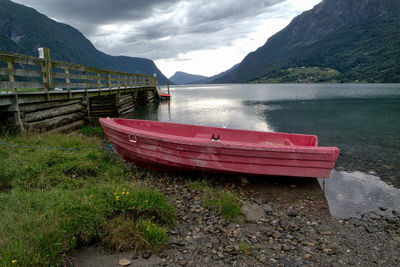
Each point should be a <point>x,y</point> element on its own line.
<point>356,193</point>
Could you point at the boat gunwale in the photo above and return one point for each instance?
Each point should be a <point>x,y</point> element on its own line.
<point>201,142</point>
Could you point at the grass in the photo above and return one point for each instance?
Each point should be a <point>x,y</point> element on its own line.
<point>53,201</point>
<point>92,131</point>
<point>227,202</point>
<point>245,248</point>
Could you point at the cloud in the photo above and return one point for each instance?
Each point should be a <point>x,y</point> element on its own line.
<point>167,30</point>
<point>157,29</point>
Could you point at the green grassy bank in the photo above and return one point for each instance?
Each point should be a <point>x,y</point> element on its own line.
<point>53,201</point>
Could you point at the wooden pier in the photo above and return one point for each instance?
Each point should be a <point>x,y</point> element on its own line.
<point>40,94</point>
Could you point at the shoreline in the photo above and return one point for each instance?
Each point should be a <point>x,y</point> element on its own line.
<point>291,228</point>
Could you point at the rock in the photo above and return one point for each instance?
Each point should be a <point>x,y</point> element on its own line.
<point>382,208</point>
<point>235,233</point>
<point>267,208</point>
<point>335,247</point>
<point>182,262</point>
<point>253,212</point>
<point>285,247</point>
<point>324,232</point>
<point>368,229</point>
<point>289,237</point>
<point>124,262</point>
<point>292,213</point>
<point>277,247</point>
<point>262,258</point>
<point>244,180</point>
<point>197,229</point>
<point>146,255</point>
<point>163,255</point>
<point>307,256</point>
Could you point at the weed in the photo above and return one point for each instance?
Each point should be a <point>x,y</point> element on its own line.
<point>125,233</point>
<point>245,248</point>
<point>199,185</point>
<point>92,131</point>
<point>229,206</point>
<point>227,202</point>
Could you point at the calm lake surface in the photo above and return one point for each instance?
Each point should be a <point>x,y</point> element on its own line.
<point>363,120</point>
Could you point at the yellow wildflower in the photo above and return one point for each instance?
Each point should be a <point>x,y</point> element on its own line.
<point>127,193</point>
<point>123,193</point>
<point>124,189</point>
<point>147,201</point>
<point>115,193</point>
<point>14,261</point>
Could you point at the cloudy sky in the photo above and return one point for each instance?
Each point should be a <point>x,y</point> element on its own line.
<point>197,36</point>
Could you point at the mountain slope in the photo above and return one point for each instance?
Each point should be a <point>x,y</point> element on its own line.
<point>360,39</point>
<point>219,75</point>
<point>185,78</point>
<point>23,30</point>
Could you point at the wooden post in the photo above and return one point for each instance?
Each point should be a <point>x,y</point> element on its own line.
<point>85,84</point>
<point>17,113</point>
<point>119,88</point>
<point>168,85</point>
<point>99,82</point>
<point>47,74</point>
<point>68,81</point>
<point>109,83</point>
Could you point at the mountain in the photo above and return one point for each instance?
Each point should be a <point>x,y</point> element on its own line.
<point>212,78</point>
<point>185,78</point>
<point>23,30</point>
<point>360,39</point>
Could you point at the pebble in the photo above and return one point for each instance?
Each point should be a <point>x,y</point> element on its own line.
<point>307,256</point>
<point>146,255</point>
<point>124,262</point>
<point>285,235</point>
<point>267,209</point>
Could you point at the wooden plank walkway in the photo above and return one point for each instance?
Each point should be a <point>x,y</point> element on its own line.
<point>40,82</point>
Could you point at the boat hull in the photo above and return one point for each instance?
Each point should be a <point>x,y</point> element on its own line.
<point>150,147</point>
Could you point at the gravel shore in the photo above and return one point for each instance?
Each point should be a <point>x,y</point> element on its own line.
<point>286,223</point>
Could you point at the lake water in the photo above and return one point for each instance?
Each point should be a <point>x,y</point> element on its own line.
<point>363,120</point>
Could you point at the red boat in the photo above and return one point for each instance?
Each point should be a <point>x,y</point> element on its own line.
<point>172,146</point>
<point>164,96</point>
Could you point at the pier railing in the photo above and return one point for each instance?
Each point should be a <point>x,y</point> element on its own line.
<point>33,84</point>
<point>21,73</point>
